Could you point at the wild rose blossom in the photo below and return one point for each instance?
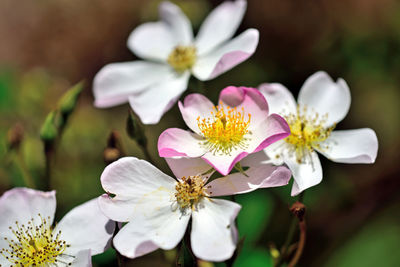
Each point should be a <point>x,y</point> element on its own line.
<point>158,208</point>
<point>223,134</point>
<point>171,55</point>
<point>322,103</point>
<point>29,239</point>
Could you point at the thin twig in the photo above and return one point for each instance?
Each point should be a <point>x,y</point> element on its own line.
<point>302,242</point>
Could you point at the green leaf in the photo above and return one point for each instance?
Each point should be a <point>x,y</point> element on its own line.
<point>254,257</point>
<point>253,218</point>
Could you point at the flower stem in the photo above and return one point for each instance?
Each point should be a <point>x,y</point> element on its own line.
<point>300,247</point>
<point>28,180</point>
<point>289,237</point>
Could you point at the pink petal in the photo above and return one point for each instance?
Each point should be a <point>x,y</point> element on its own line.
<point>194,106</point>
<point>175,142</point>
<point>224,163</point>
<point>187,166</point>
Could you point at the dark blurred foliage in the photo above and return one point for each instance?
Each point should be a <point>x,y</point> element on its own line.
<point>353,216</point>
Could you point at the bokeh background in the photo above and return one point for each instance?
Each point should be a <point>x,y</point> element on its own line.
<point>353,216</point>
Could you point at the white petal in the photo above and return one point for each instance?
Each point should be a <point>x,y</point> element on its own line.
<point>157,99</point>
<point>213,229</point>
<point>156,40</point>
<point>131,242</point>
<point>133,181</point>
<point>305,174</point>
<point>188,166</point>
<point>153,41</point>
<point>86,227</point>
<point>220,25</point>
<point>175,142</point>
<point>351,146</point>
<point>23,204</point>
<point>280,99</point>
<point>162,228</point>
<point>179,24</point>
<point>226,56</point>
<point>115,82</point>
<point>83,259</point>
<point>321,94</point>
<point>260,173</point>
<point>274,152</point>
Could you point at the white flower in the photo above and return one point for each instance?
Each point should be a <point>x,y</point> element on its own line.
<point>171,54</point>
<point>322,103</point>
<point>158,207</point>
<point>29,239</point>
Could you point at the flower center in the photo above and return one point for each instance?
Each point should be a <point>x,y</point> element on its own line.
<point>307,132</point>
<point>189,191</point>
<point>225,130</point>
<point>34,245</point>
<point>182,58</point>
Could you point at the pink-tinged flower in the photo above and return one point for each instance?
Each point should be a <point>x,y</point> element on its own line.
<point>322,103</point>
<point>29,239</point>
<point>223,134</point>
<point>158,207</point>
<point>171,55</point>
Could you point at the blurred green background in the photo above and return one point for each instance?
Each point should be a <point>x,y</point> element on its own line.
<point>353,216</point>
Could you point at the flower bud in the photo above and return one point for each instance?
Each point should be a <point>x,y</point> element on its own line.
<point>135,131</point>
<point>15,136</point>
<point>68,101</point>
<point>48,132</point>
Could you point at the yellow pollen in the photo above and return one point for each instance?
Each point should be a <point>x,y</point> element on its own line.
<point>34,245</point>
<point>182,58</point>
<point>225,131</point>
<point>307,133</point>
<point>189,191</point>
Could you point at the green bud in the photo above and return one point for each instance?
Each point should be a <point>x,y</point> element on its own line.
<point>68,101</point>
<point>48,132</point>
<point>135,131</point>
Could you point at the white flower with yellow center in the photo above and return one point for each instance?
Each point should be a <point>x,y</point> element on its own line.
<point>171,54</point>
<point>158,207</point>
<point>27,237</point>
<point>322,103</point>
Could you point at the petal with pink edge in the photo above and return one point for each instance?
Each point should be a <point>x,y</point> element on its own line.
<point>115,82</point>
<point>226,56</point>
<point>351,146</point>
<point>193,107</point>
<point>271,130</point>
<point>248,99</point>
<point>224,163</point>
<point>220,25</point>
<point>175,142</point>
<point>24,204</point>
<point>213,234</point>
<point>321,94</point>
<point>279,98</point>
<point>94,232</point>
<point>151,104</point>
<point>260,174</point>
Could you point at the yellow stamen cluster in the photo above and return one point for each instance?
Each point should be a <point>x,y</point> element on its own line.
<point>307,132</point>
<point>182,58</point>
<point>34,245</point>
<point>225,130</point>
<point>189,191</point>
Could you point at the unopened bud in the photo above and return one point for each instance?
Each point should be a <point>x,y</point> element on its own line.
<point>68,101</point>
<point>114,150</point>
<point>298,209</point>
<point>15,136</point>
<point>111,155</point>
<point>48,132</point>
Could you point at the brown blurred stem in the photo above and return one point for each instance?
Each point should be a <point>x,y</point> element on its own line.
<point>302,242</point>
<point>28,180</point>
<point>289,237</point>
